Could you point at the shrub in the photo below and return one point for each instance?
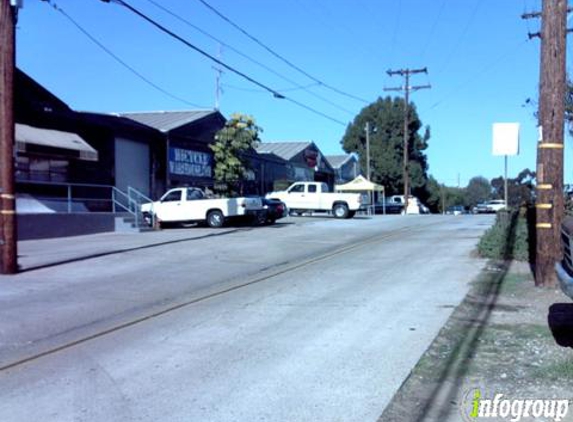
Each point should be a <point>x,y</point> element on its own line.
<point>508,238</point>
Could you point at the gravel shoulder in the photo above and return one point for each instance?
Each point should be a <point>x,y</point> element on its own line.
<point>506,337</point>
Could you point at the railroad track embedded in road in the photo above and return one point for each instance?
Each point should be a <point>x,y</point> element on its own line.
<point>270,273</point>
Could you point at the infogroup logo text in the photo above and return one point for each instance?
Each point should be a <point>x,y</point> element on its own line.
<point>476,407</point>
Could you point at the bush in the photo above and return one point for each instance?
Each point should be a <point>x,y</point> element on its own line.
<point>508,238</point>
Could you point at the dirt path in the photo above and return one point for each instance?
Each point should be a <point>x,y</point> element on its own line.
<point>507,337</point>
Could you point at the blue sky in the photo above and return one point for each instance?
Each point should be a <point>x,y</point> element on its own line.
<point>482,67</point>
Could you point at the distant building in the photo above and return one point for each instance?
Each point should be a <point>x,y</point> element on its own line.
<point>346,167</point>
<point>305,160</point>
<point>187,135</point>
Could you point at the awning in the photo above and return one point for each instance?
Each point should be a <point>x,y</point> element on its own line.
<point>29,135</point>
<point>360,184</point>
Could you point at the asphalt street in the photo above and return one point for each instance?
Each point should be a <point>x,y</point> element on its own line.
<point>308,320</point>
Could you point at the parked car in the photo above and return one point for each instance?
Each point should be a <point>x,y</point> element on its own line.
<point>480,208</point>
<point>495,205</point>
<point>315,196</point>
<point>565,267</point>
<point>395,205</point>
<point>456,210</point>
<point>490,207</point>
<point>189,205</point>
<point>274,210</point>
<point>392,205</point>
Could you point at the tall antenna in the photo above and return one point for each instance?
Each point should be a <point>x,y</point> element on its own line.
<point>218,74</point>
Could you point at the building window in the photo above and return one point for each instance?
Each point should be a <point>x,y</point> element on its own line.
<point>41,169</point>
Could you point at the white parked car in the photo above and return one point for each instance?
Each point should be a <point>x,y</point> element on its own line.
<point>495,205</point>
<point>189,205</point>
<point>315,196</point>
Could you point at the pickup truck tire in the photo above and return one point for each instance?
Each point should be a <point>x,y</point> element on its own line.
<point>215,219</point>
<point>340,210</point>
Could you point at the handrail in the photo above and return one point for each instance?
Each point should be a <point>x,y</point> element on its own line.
<point>137,198</point>
<point>129,202</point>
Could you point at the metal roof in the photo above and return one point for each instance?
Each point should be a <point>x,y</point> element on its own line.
<point>337,161</point>
<point>166,121</point>
<point>285,150</point>
<point>25,134</point>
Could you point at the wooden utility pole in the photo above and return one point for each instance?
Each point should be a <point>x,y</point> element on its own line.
<point>367,130</point>
<point>406,89</point>
<point>8,248</point>
<point>549,198</point>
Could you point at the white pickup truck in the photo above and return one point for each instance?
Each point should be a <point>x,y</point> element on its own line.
<point>315,196</point>
<point>189,205</point>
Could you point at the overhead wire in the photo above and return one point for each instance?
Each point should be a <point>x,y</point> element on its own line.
<point>508,53</point>
<point>395,32</point>
<point>118,59</point>
<point>433,29</point>
<point>280,57</point>
<point>461,37</point>
<point>252,60</point>
<point>239,88</point>
<point>172,34</point>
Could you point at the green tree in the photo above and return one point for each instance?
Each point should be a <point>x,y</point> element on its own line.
<point>232,142</point>
<point>521,190</point>
<point>386,120</point>
<point>478,190</point>
<point>433,197</point>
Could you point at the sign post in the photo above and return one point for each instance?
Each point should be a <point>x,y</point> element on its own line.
<point>506,143</point>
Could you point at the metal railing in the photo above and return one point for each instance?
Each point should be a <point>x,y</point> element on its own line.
<point>86,197</point>
<point>136,199</point>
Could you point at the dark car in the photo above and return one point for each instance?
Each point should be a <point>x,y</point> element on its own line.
<point>273,210</point>
<point>456,210</point>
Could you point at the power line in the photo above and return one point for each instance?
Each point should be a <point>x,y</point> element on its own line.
<point>239,88</point>
<point>275,93</point>
<point>461,37</point>
<point>197,49</point>
<point>118,59</point>
<point>433,30</point>
<point>252,60</point>
<point>508,53</point>
<point>278,56</point>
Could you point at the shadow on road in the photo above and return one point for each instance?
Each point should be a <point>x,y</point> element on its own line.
<point>122,250</point>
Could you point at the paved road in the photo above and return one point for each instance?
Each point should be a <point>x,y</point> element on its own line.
<point>314,321</point>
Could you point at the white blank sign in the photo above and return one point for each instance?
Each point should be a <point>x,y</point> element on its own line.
<point>505,138</point>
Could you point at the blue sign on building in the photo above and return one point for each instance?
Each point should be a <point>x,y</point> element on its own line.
<point>186,162</point>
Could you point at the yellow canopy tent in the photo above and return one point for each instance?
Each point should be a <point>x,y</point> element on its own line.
<point>361,185</point>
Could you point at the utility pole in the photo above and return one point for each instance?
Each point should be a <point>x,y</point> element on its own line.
<point>8,238</point>
<point>549,199</point>
<point>406,89</point>
<point>367,129</point>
